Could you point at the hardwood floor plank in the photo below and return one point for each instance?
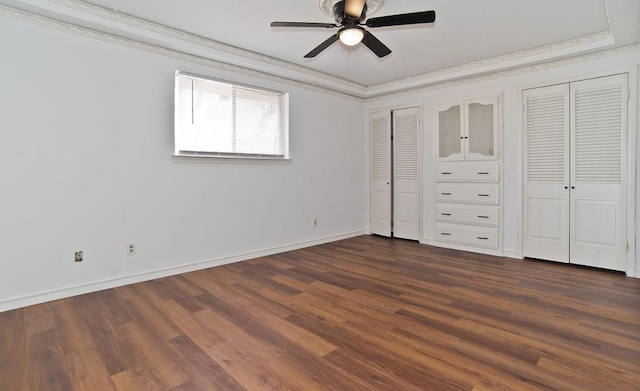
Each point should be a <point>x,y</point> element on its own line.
<point>257,298</point>
<point>13,343</point>
<point>38,319</point>
<point>164,289</point>
<point>46,370</point>
<point>378,377</point>
<point>290,351</point>
<point>203,372</point>
<point>295,334</point>
<point>73,332</point>
<point>155,321</point>
<point>600,378</point>
<point>114,347</point>
<point>87,371</point>
<point>366,313</point>
<point>165,366</point>
<point>485,366</point>
<point>366,351</point>
<point>241,355</point>
<point>137,379</point>
<point>203,335</point>
<point>309,304</point>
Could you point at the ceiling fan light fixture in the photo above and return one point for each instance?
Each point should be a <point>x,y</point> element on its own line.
<point>326,6</point>
<point>351,36</point>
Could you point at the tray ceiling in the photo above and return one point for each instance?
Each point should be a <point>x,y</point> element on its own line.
<point>467,34</point>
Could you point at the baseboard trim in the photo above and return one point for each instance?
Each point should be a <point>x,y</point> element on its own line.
<point>467,248</point>
<point>427,241</point>
<point>511,254</point>
<point>63,293</point>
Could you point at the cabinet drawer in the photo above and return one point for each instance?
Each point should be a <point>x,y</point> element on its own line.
<point>473,236</point>
<point>471,194</point>
<point>477,215</point>
<point>468,172</point>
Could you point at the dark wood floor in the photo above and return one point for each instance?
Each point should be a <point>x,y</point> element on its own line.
<point>362,314</point>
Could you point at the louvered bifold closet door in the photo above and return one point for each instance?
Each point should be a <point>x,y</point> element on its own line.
<point>406,184</point>
<point>380,193</point>
<point>546,171</point>
<point>599,172</point>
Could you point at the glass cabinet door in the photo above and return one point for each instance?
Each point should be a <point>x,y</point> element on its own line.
<point>482,129</point>
<point>450,132</point>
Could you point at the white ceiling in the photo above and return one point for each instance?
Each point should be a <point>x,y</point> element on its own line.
<point>466,34</point>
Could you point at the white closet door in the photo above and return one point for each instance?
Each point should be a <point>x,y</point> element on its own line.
<point>406,184</point>
<point>598,183</point>
<point>380,211</point>
<point>546,170</point>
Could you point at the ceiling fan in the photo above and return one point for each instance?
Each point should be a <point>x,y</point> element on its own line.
<point>349,16</point>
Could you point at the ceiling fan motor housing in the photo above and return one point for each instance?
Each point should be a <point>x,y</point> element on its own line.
<point>346,20</point>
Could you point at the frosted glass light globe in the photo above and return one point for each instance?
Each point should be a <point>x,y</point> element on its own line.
<point>351,36</point>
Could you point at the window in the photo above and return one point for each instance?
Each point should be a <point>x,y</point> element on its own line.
<point>220,119</point>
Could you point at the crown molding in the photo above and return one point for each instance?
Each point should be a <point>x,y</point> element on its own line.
<point>112,26</point>
<point>113,22</point>
<point>134,44</point>
<point>114,15</point>
<point>621,51</point>
<point>492,65</point>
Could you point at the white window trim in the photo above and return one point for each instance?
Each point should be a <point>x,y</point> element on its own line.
<point>215,157</point>
<point>228,159</point>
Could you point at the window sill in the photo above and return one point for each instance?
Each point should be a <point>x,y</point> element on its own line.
<point>228,159</point>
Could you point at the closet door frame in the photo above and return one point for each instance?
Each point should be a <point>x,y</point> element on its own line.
<point>421,160</point>
<point>633,264</point>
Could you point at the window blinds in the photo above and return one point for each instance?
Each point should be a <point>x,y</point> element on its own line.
<point>220,119</point>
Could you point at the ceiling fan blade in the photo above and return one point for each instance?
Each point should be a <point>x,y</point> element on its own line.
<point>322,46</point>
<point>354,8</point>
<point>402,19</point>
<point>374,44</point>
<point>303,24</point>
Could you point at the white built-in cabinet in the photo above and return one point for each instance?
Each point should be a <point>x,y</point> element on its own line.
<point>395,173</point>
<point>468,130</point>
<point>468,175</point>
<point>575,172</point>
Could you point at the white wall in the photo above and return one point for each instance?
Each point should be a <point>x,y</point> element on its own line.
<point>87,138</point>
<point>511,87</point>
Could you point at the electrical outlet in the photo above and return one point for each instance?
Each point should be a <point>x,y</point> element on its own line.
<point>315,222</point>
<point>78,256</point>
<point>131,249</point>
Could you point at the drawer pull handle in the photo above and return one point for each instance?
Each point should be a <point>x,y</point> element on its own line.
<point>483,173</point>
<point>482,238</point>
<point>484,195</point>
<point>483,217</point>
<point>445,193</point>
<point>446,214</point>
<point>445,234</point>
<point>445,173</point>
